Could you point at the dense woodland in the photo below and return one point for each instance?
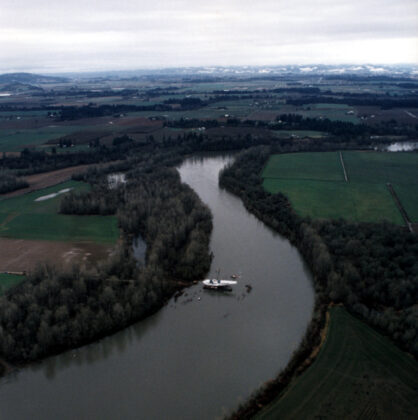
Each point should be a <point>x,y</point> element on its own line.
<point>55,309</point>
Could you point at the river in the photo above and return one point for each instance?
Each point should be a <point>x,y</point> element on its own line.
<point>200,355</point>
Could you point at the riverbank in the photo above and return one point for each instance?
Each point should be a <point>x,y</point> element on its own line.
<point>198,335</point>
<point>337,268</point>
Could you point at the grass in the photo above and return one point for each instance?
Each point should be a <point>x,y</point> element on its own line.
<point>333,200</point>
<point>300,133</point>
<point>335,112</point>
<point>357,374</point>
<point>378,167</point>
<point>23,114</point>
<point>409,200</point>
<point>24,218</point>
<point>16,140</point>
<point>312,166</point>
<point>9,280</point>
<point>315,184</point>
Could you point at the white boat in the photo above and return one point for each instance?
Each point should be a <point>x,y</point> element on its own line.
<point>218,284</point>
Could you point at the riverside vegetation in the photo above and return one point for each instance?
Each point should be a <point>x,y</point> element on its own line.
<point>54,309</point>
<point>370,268</point>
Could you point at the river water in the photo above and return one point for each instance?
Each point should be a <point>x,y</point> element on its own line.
<point>201,354</point>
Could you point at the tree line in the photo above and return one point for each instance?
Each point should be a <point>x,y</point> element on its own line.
<point>10,182</point>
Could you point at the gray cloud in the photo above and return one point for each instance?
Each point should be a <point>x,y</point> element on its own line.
<point>97,34</point>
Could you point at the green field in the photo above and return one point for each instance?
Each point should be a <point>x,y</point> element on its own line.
<point>9,280</point>
<point>332,200</point>
<point>409,200</point>
<point>315,185</point>
<point>300,133</point>
<point>358,374</point>
<point>313,166</point>
<point>24,218</point>
<point>378,167</point>
<point>334,112</point>
<point>16,140</point>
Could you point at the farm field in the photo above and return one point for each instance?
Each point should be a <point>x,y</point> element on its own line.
<point>16,140</point>
<point>9,280</point>
<point>315,184</point>
<point>300,133</point>
<point>357,374</point>
<point>24,218</point>
<point>332,200</point>
<point>310,166</point>
<point>408,200</point>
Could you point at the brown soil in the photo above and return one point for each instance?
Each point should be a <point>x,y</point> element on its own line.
<point>46,179</point>
<point>23,255</point>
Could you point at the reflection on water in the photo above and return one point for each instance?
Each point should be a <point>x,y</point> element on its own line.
<point>199,356</point>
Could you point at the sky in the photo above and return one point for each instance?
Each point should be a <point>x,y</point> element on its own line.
<point>90,35</point>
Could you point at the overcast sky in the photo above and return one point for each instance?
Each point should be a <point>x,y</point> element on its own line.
<point>80,35</point>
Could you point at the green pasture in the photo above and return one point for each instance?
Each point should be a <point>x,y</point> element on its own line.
<point>408,196</point>
<point>16,140</point>
<point>310,166</point>
<point>24,218</point>
<point>380,167</point>
<point>315,185</point>
<point>333,200</point>
<point>300,133</point>
<point>23,114</point>
<point>331,114</point>
<point>343,107</point>
<point>9,280</point>
<point>358,374</point>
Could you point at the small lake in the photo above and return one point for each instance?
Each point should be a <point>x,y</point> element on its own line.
<point>200,355</point>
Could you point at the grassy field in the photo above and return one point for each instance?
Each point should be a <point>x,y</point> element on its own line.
<point>24,218</point>
<point>15,140</point>
<point>408,200</point>
<point>332,200</point>
<point>9,280</point>
<point>315,184</point>
<point>378,167</point>
<point>313,166</point>
<point>335,112</point>
<point>358,374</point>
<point>300,133</point>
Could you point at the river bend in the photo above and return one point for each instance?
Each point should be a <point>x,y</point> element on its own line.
<point>201,354</point>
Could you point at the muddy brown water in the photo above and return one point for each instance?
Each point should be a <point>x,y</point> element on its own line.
<point>201,354</point>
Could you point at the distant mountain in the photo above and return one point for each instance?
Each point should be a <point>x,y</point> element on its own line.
<point>29,78</point>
